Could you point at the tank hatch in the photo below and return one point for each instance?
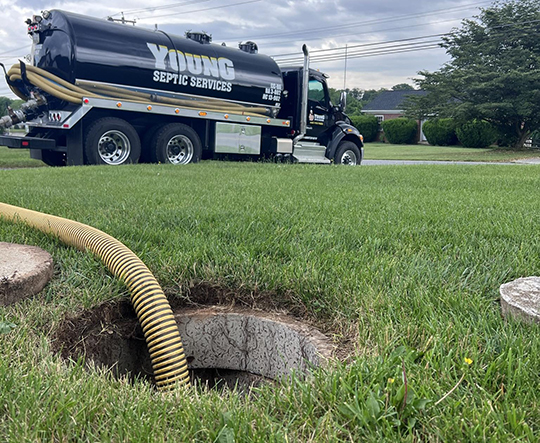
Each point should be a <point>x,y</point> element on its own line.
<point>249,47</point>
<point>201,37</point>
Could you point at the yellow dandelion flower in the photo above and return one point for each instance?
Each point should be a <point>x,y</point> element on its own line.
<point>391,380</point>
<point>468,361</point>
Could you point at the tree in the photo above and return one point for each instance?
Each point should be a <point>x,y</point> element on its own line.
<point>494,72</point>
<point>5,102</point>
<point>370,94</point>
<point>403,87</point>
<point>357,93</point>
<point>354,106</point>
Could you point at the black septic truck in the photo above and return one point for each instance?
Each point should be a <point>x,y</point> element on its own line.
<point>99,92</point>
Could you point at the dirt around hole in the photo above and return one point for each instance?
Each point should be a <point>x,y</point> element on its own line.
<point>230,340</point>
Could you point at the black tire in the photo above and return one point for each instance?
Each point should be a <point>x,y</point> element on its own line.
<point>53,158</point>
<point>347,153</point>
<point>111,141</point>
<point>177,144</point>
<point>146,143</point>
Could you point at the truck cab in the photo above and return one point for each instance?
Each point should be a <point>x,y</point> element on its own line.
<point>328,135</point>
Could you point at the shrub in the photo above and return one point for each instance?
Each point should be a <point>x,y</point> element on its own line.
<point>400,131</point>
<point>535,139</point>
<point>476,134</point>
<point>367,125</point>
<point>507,136</point>
<point>440,132</point>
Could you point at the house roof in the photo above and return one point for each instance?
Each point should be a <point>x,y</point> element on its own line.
<point>390,101</point>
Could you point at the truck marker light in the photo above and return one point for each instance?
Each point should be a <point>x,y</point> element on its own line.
<point>25,144</point>
<point>66,126</point>
<point>118,105</point>
<point>86,101</point>
<point>177,111</point>
<point>149,107</point>
<point>226,116</point>
<point>268,120</point>
<point>248,119</point>
<point>202,114</point>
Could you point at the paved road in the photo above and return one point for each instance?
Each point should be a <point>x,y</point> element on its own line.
<point>529,161</point>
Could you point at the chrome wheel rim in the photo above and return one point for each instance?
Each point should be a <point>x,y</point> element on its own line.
<point>349,158</point>
<point>114,147</point>
<point>180,150</point>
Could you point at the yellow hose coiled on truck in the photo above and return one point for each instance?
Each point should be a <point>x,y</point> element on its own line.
<point>153,310</point>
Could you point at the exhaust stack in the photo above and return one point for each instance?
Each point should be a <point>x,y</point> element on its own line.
<point>305,91</point>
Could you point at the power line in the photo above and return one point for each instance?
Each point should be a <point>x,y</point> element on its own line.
<point>337,54</point>
<point>200,10</point>
<point>398,29</point>
<point>336,57</point>
<point>158,8</point>
<point>333,54</point>
<point>13,50</point>
<point>318,51</point>
<point>372,53</point>
<point>370,22</point>
<point>387,30</point>
<point>6,60</point>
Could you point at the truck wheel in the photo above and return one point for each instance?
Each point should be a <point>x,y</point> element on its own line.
<point>177,144</point>
<point>111,141</point>
<point>347,154</point>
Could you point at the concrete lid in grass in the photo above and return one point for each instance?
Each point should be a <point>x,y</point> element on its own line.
<point>267,344</point>
<point>521,298</point>
<point>24,271</point>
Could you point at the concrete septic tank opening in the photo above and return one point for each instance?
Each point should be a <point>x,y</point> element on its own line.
<point>24,271</point>
<point>521,299</point>
<point>224,346</point>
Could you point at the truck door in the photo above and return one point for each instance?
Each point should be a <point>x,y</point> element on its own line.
<point>318,108</point>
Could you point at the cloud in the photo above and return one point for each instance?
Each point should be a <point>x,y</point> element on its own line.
<point>278,27</point>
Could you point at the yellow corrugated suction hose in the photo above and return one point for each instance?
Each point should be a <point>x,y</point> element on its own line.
<point>153,310</point>
<point>69,92</point>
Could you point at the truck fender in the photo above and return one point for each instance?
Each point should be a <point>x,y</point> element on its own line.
<point>343,131</point>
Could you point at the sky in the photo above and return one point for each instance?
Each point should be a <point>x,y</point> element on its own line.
<point>386,41</point>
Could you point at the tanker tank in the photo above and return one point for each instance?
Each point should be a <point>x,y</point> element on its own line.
<point>106,57</point>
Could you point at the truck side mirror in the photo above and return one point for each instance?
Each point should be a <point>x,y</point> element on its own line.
<point>343,101</point>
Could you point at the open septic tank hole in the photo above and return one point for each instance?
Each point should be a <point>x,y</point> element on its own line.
<point>224,346</point>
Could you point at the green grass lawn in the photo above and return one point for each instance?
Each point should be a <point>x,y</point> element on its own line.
<point>385,151</point>
<point>17,158</point>
<point>400,266</point>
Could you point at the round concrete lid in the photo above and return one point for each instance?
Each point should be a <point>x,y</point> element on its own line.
<point>24,271</point>
<point>521,298</point>
<point>270,345</point>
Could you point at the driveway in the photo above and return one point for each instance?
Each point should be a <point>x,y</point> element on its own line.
<point>525,161</point>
